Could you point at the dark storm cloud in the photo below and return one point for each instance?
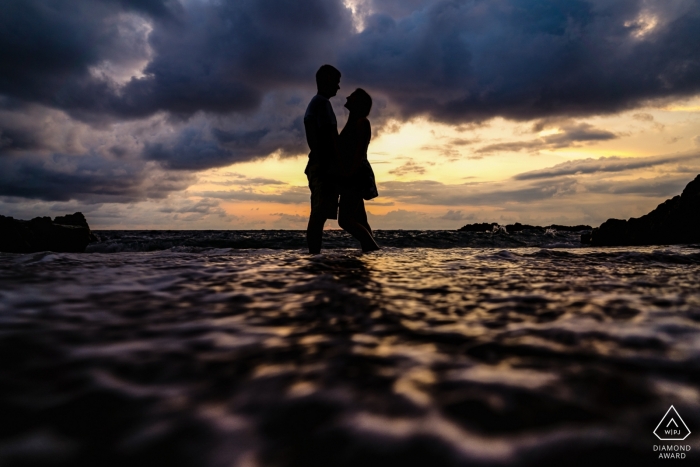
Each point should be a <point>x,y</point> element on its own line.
<point>605,164</point>
<point>18,138</point>
<point>246,67</point>
<point>454,60</point>
<point>212,56</point>
<point>155,8</point>
<point>48,46</point>
<point>190,151</point>
<point>89,178</point>
<point>524,59</point>
<point>221,141</point>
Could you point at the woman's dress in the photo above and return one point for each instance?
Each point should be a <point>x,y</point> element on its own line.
<point>361,183</point>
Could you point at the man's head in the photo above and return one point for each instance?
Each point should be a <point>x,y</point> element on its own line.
<point>328,81</point>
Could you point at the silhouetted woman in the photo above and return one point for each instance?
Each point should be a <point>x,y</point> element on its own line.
<point>357,179</point>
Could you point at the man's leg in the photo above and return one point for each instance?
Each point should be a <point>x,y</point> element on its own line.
<point>314,233</point>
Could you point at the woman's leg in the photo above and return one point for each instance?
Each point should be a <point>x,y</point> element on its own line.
<point>362,217</point>
<point>350,220</point>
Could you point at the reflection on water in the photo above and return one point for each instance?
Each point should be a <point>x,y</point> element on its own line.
<point>411,357</point>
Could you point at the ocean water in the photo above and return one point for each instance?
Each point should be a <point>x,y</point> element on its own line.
<point>192,240</point>
<point>442,349</point>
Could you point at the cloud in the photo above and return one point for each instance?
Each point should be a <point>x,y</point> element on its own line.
<point>413,220</point>
<point>123,100</point>
<point>526,59</point>
<point>203,206</point>
<point>464,142</point>
<point>577,133</point>
<point>32,128</point>
<point>664,186</point>
<point>174,212</point>
<point>399,219</point>
<point>456,215</point>
<point>293,218</point>
<point>242,180</point>
<point>645,117</point>
<point>515,146</point>
<point>375,202</point>
<point>448,151</point>
<point>290,221</point>
<point>434,193</point>
<point>293,195</point>
<point>569,135</point>
<point>190,151</point>
<point>604,164</point>
<point>202,143</point>
<point>121,159</point>
<point>89,178</point>
<point>573,183</point>
<point>213,56</point>
<point>407,168</point>
<point>46,155</point>
<point>455,61</point>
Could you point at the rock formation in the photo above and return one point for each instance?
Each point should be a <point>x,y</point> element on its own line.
<point>518,227</point>
<point>674,221</point>
<point>68,234</point>
<point>482,227</point>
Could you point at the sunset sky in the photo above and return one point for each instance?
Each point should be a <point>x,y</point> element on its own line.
<point>187,114</point>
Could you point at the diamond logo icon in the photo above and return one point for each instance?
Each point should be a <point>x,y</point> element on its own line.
<point>672,427</point>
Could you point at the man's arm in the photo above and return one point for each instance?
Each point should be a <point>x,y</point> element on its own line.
<point>335,151</point>
<point>311,131</point>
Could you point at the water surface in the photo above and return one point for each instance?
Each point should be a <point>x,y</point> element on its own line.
<point>202,356</point>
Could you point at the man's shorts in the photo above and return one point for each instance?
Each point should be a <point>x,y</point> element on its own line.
<point>324,196</point>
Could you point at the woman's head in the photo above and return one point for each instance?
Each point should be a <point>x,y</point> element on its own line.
<point>359,102</point>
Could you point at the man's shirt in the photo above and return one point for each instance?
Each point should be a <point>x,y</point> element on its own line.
<point>321,134</point>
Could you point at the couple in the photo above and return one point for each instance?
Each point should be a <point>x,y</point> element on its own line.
<point>338,166</point>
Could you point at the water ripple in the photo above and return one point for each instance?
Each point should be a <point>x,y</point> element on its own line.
<point>413,356</point>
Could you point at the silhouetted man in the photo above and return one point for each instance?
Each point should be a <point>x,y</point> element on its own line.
<point>322,170</point>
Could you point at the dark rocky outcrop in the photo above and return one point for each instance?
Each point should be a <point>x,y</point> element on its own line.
<point>570,228</point>
<point>674,221</point>
<point>482,227</point>
<point>518,227</point>
<point>68,234</point>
